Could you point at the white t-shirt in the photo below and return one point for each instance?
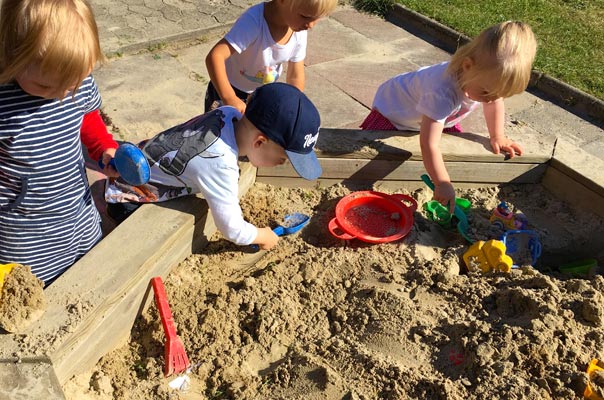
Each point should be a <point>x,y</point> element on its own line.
<point>258,58</point>
<point>429,91</point>
<point>199,156</point>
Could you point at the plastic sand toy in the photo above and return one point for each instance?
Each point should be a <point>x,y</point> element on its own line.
<point>292,223</point>
<point>586,267</point>
<point>440,214</point>
<point>131,163</point>
<point>488,256</point>
<point>373,217</point>
<point>523,246</point>
<point>504,218</point>
<point>5,269</point>
<point>595,371</point>
<point>462,221</point>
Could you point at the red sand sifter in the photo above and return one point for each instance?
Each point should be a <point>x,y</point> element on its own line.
<point>373,217</point>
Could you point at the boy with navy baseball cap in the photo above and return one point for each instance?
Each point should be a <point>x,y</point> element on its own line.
<point>287,117</point>
<point>200,156</point>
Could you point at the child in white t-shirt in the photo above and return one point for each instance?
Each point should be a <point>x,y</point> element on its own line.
<point>200,156</point>
<point>494,65</point>
<point>253,52</point>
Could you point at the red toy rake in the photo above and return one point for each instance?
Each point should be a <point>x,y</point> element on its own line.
<point>176,359</point>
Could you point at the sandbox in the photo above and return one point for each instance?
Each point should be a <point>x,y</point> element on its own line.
<point>92,308</point>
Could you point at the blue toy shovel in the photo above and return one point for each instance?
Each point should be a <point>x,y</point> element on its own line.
<point>292,223</point>
<point>131,164</point>
<point>462,220</point>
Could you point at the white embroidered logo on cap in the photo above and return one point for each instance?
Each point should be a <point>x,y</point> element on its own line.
<point>310,139</point>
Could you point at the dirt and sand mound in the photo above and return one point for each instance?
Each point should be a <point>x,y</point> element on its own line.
<point>22,300</point>
<point>322,318</point>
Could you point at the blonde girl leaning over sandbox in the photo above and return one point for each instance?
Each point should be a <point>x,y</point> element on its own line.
<point>494,65</point>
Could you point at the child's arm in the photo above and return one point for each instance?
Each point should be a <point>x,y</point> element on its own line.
<point>295,74</point>
<point>429,140</point>
<point>215,62</point>
<point>494,115</point>
<point>98,140</point>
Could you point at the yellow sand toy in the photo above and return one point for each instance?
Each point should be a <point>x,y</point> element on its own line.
<point>5,269</point>
<point>594,366</point>
<point>488,256</point>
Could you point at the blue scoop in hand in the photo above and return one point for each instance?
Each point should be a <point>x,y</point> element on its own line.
<point>131,164</point>
<point>292,223</point>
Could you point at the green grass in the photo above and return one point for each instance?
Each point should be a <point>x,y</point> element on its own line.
<point>570,33</point>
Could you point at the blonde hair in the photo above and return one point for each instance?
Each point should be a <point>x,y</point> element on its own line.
<point>322,7</point>
<point>60,36</point>
<point>502,54</point>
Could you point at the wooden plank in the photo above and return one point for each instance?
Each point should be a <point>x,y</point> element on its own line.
<point>399,145</point>
<point>572,191</point>
<point>367,170</point>
<point>112,280</point>
<point>390,186</point>
<point>579,165</point>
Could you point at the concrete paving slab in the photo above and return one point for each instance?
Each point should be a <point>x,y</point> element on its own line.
<point>330,40</point>
<point>193,57</point>
<point>368,25</point>
<point>359,77</point>
<point>519,103</point>
<point>147,93</point>
<point>336,107</point>
<point>133,24</point>
<point>548,118</point>
<point>33,380</point>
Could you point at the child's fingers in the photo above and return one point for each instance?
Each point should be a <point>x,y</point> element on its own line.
<point>509,151</point>
<point>110,171</point>
<point>451,205</point>
<point>517,148</point>
<point>496,148</point>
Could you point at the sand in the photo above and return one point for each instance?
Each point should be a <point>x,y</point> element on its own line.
<point>22,300</point>
<point>323,318</point>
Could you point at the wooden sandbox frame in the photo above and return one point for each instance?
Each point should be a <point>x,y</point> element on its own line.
<point>109,287</point>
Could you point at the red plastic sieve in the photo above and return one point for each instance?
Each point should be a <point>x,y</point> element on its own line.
<point>373,217</point>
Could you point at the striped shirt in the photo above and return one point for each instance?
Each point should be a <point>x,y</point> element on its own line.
<point>48,219</point>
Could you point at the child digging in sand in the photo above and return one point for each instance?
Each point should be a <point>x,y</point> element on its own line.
<point>200,156</point>
<point>494,65</point>
<point>253,52</point>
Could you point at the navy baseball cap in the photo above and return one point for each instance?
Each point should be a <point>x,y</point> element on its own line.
<point>287,117</point>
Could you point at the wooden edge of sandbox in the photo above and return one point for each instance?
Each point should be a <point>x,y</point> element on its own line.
<point>392,160</point>
<point>384,161</point>
<point>577,177</point>
<point>95,303</point>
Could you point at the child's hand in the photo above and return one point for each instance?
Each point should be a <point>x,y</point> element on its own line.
<point>505,144</point>
<point>235,102</point>
<point>266,239</point>
<point>444,193</point>
<point>106,158</point>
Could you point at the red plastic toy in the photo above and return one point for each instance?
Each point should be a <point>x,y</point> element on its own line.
<point>373,217</point>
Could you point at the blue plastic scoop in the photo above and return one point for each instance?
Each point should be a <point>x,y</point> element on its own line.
<point>131,164</point>
<point>292,223</point>
<point>462,220</point>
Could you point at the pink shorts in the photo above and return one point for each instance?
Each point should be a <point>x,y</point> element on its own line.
<point>377,122</point>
